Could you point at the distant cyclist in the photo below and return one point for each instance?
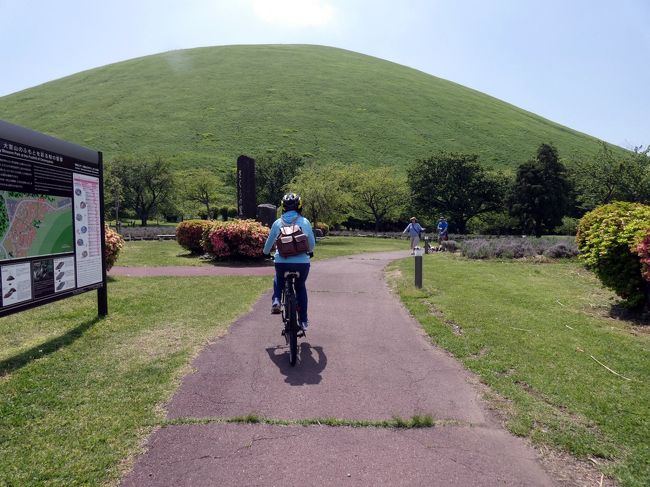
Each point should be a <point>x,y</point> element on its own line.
<point>291,215</point>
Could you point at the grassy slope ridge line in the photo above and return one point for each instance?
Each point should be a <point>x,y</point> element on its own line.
<point>529,330</point>
<point>206,106</point>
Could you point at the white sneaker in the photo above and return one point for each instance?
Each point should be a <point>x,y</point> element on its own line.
<point>275,307</point>
<point>304,325</point>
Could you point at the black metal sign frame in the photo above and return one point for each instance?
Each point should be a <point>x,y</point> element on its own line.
<point>52,241</point>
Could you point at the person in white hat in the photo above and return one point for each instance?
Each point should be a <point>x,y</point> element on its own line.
<point>414,230</point>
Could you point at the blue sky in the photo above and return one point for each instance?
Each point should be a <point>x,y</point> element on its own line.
<point>582,63</point>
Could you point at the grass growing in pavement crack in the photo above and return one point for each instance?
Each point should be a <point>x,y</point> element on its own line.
<point>417,421</point>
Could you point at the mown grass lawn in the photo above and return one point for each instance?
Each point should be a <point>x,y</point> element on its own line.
<point>168,253</point>
<point>78,395</point>
<point>533,333</point>
<point>156,253</point>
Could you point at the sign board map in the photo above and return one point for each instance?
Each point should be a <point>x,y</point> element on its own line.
<point>32,225</point>
<point>51,219</point>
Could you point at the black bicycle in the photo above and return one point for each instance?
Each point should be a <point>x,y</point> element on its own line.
<point>292,329</point>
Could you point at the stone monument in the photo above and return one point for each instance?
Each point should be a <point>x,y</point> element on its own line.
<point>246,193</point>
<point>266,214</point>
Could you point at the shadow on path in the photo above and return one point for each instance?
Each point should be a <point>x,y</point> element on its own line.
<point>307,371</point>
<point>11,364</point>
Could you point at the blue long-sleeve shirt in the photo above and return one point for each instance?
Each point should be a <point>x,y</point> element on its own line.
<point>413,229</point>
<point>290,217</point>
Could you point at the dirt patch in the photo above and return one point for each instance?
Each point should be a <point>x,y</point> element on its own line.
<point>564,468</point>
<point>506,373</point>
<point>455,327</point>
<point>437,313</point>
<point>480,354</point>
<point>568,471</point>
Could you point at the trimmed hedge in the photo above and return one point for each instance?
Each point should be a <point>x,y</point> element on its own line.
<point>189,234</point>
<point>114,243</point>
<point>609,240</point>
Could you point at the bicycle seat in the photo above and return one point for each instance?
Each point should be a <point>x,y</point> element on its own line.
<point>295,274</point>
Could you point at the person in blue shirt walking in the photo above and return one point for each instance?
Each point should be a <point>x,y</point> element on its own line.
<point>414,230</point>
<point>291,214</point>
<point>443,232</point>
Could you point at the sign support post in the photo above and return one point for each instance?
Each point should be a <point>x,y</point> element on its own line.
<point>102,293</point>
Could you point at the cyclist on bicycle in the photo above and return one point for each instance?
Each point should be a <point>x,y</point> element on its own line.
<point>291,214</point>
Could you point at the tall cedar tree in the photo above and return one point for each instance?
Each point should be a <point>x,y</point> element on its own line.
<point>454,186</point>
<point>541,193</point>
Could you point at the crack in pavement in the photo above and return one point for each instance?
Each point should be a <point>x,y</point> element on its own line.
<point>263,438</point>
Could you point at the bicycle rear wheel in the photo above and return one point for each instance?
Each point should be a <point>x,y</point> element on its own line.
<point>293,329</point>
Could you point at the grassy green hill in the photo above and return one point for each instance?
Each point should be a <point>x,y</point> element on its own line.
<point>206,106</point>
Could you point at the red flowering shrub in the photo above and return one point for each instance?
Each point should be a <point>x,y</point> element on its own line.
<point>643,250</point>
<point>237,239</point>
<point>206,244</point>
<point>114,243</point>
<point>189,234</point>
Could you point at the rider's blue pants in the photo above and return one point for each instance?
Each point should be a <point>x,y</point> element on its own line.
<point>301,289</point>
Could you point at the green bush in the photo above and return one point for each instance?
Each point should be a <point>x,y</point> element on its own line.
<point>608,239</point>
<point>569,226</point>
<point>227,212</point>
<point>189,234</point>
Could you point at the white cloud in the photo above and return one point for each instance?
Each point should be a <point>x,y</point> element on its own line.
<point>296,13</point>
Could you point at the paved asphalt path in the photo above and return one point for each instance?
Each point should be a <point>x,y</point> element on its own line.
<point>363,358</point>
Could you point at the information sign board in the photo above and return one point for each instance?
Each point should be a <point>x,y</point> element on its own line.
<point>51,220</point>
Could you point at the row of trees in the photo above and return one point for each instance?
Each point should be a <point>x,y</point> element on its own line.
<point>147,188</point>
<point>542,192</point>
